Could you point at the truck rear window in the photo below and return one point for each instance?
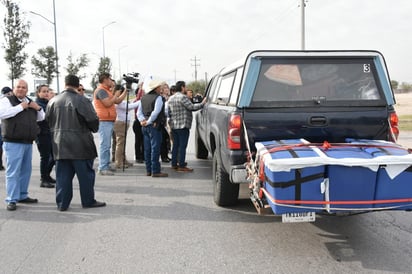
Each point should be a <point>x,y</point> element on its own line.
<point>317,81</point>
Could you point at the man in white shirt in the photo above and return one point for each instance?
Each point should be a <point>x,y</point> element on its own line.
<point>120,128</point>
<point>19,116</point>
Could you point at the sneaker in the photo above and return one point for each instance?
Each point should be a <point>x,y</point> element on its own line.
<point>160,174</point>
<point>166,160</point>
<point>11,206</point>
<point>46,184</point>
<point>51,180</point>
<point>106,172</point>
<point>184,169</point>
<point>29,200</point>
<point>95,204</point>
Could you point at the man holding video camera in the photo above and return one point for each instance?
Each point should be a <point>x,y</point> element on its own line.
<point>104,104</point>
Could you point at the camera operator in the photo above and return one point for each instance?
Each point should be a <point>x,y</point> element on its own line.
<point>104,104</point>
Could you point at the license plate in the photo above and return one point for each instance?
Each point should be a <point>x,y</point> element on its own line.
<point>298,217</point>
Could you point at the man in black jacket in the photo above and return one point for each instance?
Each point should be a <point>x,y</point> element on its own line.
<point>72,119</point>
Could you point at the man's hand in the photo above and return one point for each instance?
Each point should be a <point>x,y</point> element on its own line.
<point>204,100</point>
<point>143,123</point>
<point>24,105</point>
<point>34,105</point>
<point>117,93</point>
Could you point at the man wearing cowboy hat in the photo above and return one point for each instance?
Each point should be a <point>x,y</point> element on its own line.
<point>152,118</point>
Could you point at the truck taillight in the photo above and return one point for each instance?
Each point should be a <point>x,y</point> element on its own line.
<point>394,124</point>
<point>234,131</point>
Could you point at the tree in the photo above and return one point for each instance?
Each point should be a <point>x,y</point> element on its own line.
<point>405,86</point>
<point>394,84</point>
<point>104,67</point>
<point>45,64</point>
<point>74,66</point>
<point>16,36</point>
<point>197,86</point>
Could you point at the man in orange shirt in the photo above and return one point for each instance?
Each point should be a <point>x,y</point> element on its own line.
<point>104,104</point>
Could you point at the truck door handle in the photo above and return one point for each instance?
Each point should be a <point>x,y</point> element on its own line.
<point>317,121</point>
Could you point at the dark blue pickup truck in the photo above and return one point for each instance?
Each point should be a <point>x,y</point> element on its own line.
<point>277,95</point>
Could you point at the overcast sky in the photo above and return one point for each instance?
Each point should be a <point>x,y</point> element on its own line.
<point>162,38</point>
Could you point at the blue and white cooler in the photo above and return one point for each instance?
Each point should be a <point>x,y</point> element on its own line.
<point>350,183</point>
<point>292,173</point>
<point>394,179</point>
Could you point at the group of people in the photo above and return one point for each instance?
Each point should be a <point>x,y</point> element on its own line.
<point>160,110</point>
<point>63,127</point>
<point>71,119</point>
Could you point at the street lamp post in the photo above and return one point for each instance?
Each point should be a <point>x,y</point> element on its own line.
<point>120,65</point>
<point>55,40</point>
<point>104,53</point>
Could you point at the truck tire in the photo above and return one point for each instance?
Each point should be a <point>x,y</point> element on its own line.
<point>225,192</point>
<point>200,148</point>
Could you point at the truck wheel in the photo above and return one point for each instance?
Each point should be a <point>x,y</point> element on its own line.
<point>200,148</point>
<point>225,193</point>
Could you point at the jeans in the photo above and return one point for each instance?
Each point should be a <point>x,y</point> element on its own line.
<point>152,140</point>
<point>65,170</point>
<point>18,171</point>
<point>180,140</point>
<point>1,151</point>
<point>105,135</point>
<point>44,145</point>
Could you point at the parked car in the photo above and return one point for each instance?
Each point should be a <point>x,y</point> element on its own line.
<point>277,95</point>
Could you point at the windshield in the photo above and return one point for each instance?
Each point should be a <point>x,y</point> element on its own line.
<point>319,81</point>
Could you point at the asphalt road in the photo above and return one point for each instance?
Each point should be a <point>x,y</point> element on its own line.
<point>171,225</point>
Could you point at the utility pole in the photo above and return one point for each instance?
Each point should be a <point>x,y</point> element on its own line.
<point>196,64</point>
<point>55,40</point>
<point>302,8</point>
<point>175,74</point>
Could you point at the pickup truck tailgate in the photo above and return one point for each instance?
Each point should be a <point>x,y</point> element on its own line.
<point>327,124</point>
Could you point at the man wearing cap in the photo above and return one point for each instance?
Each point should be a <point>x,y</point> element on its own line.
<point>72,119</point>
<point>4,92</point>
<point>104,104</point>
<point>19,129</point>
<point>152,118</point>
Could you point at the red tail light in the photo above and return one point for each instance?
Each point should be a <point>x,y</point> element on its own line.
<point>234,131</point>
<point>394,124</point>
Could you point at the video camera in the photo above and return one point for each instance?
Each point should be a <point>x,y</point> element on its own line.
<point>131,78</point>
<point>197,99</point>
